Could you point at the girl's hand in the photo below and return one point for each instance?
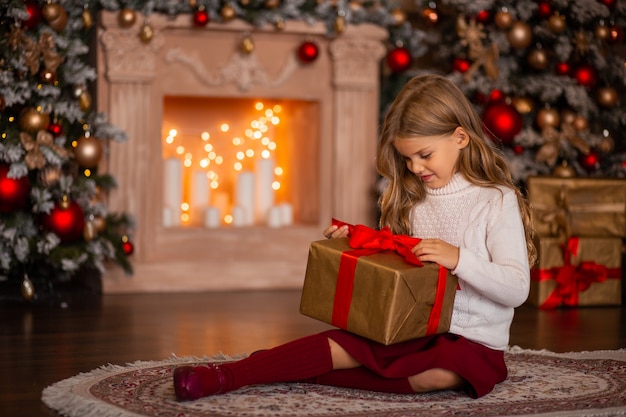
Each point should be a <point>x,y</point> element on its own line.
<point>334,231</point>
<point>436,250</point>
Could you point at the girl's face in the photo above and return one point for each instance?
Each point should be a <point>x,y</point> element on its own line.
<point>433,158</point>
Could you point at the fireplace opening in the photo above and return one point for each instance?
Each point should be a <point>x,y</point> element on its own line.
<point>237,162</point>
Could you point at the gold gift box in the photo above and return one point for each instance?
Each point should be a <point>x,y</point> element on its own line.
<point>590,207</point>
<point>391,300</point>
<point>606,252</point>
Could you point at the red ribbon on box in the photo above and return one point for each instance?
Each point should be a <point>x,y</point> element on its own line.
<point>367,241</point>
<point>572,280</point>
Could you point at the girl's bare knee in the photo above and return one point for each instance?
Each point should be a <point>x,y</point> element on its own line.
<point>341,358</point>
<point>435,380</point>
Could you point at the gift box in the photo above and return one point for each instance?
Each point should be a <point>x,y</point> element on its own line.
<point>591,207</point>
<point>376,295</point>
<point>582,271</point>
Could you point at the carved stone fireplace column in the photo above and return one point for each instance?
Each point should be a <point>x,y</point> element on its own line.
<point>355,76</point>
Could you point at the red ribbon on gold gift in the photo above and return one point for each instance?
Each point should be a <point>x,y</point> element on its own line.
<point>367,241</point>
<point>572,280</point>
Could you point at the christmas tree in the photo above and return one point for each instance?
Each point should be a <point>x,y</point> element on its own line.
<point>54,221</point>
<point>546,75</point>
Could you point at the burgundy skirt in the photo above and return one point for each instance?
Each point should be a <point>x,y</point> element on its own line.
<point>481,367</point>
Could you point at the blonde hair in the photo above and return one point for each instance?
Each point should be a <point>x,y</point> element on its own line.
<point>432,105</point>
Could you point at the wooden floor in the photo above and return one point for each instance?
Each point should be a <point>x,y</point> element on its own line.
<point>44,343</point>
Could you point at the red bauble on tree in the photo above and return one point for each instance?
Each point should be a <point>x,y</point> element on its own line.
<point>590,161</point>
<point>399,59</point>
<point>484,16</point>
<point>56,129</point>
<point>562,68</point>
<point>308,52</point>
<point>201,17</point>
<point>13,191</point>
<point>502,121</point>
<point>127,246</point>
<point>544,9</point>
<point>66,220</point>
<point>34,15</point>
<point>609,3</point>
<point>585,75</point>
<point>460,65</point>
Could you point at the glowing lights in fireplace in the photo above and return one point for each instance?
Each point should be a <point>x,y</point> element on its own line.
<point>228,176</point>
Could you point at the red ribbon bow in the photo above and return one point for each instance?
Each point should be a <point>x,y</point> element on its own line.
<point>367,241</point>
<point>571,280</point>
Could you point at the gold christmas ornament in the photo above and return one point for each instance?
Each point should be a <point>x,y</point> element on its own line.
<point>146,33</point>
<point>399,16</point>
<point>227,12</point>
<point>247,45</point>
<point>87,19</point>
<point>55,15</point>
<point>556,23</point>
<point>580,123</point>
<point>564,171</point>
<point>520,35</point>
<point>503,19</point>
<point>568,116</point>
<point>193,4</point>
<point>272,4</point>
<point>126,17</point>
<point>31,120</point>
<point>27,289</point>
<point>340,24</point>
<point>84,100</point>
<point>523,105</point>
<point>89,231</point>
<point>100,224</point>
<point>602,32</point>
<point>88,151</point>
<point>548,117</point>
<point>279,23</point>
<point>607,97</point>
<point>65,202</point>
<point>47,76</point>
<point>607,144</point>
<point>538,59</point>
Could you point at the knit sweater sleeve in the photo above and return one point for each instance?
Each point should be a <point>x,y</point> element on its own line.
<point>493,257</point>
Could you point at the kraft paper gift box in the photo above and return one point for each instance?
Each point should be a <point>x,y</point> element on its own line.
<point>589,207</point>
<point>582,271</point>
<point>385,299</point>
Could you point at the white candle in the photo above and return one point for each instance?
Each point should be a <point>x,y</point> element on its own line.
<point>274,217</point>
<point>173,187</point>
<point>244,197</point>
<point>199,198</point>
<point>212,217</point>
<point>239,216</point>
<point>286,214</point>
<point>264,197</point>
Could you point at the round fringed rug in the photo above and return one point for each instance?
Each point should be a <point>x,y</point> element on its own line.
<point>539,383</point>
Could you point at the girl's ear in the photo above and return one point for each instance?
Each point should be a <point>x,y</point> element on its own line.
<point>461,137</point>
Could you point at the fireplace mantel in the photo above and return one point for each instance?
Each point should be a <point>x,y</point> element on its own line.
<point>184,60</point>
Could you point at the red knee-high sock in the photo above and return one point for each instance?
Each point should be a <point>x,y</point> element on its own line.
<point>363,378</point>
<point>296,360</point>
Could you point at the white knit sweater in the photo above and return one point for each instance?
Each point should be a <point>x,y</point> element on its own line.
<point>493,270</point>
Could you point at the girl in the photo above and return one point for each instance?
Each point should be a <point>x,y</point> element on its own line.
<point>449,187</point>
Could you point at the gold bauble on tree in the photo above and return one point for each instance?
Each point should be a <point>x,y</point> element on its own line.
<point>602,32</point>
<point>146,33</point>
<point>503,19</point>
<point>523,105</point>
<point>55,15</point>
<point>564,171</point>
<point>548,117</point>
<point>87,18</point>
<point>100,224</point>
<point>27,289</point>
<point>340,24</point>
<point>227,12</point>
<point>272,4</point>
<point>399,16</point>
<point>88,151</point>
<point>556,23</point>
<point>32,121</point>
<point>520,35</point>
<point>126,17</point>
<point>247,45</point>
<point>607,97</point>
<point>580,123</point>
<point>538,59</point>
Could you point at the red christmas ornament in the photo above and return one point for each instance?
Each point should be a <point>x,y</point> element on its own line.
<point>484,16</point>
<point>590,161</point>
<point>34,15</point>
<point>518,149</point>
<point>502,121</point>
<point>128,247</point>
<point>13,191</point>
<point>460,65</point>
<point>201,17</point>
<point>56,129</point>
<point>544,9</point>
<point>562,68</point>
<point>496,96</point>
<point>67,223</point>
<point>585,75</point>
<point>308,52</point>
<point>616,35</point>
<point>399,59</point>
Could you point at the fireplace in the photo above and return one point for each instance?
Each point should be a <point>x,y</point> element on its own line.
<point>177,97</point>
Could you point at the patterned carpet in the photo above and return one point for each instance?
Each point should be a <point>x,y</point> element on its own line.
<point>540,383</point>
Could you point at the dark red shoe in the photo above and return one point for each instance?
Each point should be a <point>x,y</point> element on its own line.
<point>193,382</point>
